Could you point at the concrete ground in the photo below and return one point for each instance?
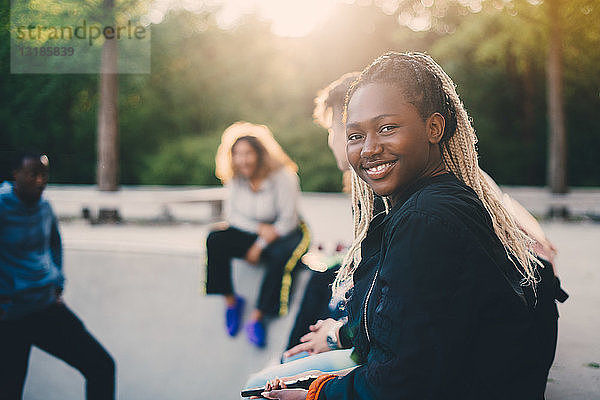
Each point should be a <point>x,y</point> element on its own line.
<point>138,288</point>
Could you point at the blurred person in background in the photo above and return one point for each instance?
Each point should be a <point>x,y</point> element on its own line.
<point>32,309</point>
<point>263,225</point>
<point>317,304</point>
<point>319,318</point>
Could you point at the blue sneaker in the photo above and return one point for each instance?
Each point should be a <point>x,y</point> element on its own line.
<point>256,333</point>
<point>233,316</point>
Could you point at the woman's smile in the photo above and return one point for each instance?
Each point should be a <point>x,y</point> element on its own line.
<point>378,170</point>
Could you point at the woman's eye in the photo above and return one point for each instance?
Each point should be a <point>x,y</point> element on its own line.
<point>387,128</point>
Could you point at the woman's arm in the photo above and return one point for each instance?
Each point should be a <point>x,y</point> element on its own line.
<point>542,246</point>
<point>276,388</point>
<point>287,194</point>
<point>315,341</point>
<point>527,222</point>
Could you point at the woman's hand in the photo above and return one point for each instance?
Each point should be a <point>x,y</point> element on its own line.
<point>276,389</point>
<point>268,233</point>
<point>315,341</point>
<point>253,254</point>
<point>547,251</point>
<point>219,226</point>
<point>279,383</point>
<point>272,384</point>
<point>286,394</point>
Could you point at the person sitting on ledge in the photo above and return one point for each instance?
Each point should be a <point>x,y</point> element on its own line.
<point>261,211</point>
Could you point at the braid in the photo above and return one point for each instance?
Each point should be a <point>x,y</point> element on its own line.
<point>516,243</point>
<point>426,85</point>
<point>362,211</point>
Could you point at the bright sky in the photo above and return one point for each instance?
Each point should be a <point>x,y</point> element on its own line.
<point>288,17</point>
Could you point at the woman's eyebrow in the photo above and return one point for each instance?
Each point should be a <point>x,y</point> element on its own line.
<point>353,124</point>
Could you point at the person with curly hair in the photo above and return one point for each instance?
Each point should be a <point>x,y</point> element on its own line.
<point>261,211</point>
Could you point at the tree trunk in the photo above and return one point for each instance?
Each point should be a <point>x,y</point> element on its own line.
<point>528,102</point>
<point>107,173</point>
<point>557,140</point>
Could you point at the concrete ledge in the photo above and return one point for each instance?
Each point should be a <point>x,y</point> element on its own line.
<point>539,201</point>
<point>203,204</point>
<point>163,203</point>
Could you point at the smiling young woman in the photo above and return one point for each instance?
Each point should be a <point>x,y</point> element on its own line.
<point>445,297</point>
<point>446,292</point>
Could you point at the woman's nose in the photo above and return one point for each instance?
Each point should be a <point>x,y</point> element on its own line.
<point>371,146</point>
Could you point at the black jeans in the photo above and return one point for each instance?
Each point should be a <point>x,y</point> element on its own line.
<point>58,331</point>
<point>223,246</point>
<point>314,305</point>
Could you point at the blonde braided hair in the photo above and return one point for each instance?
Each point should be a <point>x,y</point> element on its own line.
<point>434,91</point>
<point>331,97</point>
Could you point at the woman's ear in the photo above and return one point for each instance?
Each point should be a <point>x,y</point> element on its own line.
<point>435,125</point>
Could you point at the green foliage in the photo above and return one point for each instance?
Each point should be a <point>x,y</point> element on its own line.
<point>307,145</point>
<point>501,85</point>
<point>53,113</point>
<point>188,161</point>
<point>205,78</point>
<point>502,82</point>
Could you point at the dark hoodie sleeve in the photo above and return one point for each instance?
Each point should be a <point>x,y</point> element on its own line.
<point>418,325</point>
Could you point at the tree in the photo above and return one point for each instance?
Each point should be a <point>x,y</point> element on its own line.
<point>107,171</point>
<point>205,77</point>
<point>557,137</point>
<point>107,174</point>
<point>443,15</point>
<point>86,24</point>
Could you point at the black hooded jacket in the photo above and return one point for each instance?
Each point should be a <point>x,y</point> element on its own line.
<point>446,316</point>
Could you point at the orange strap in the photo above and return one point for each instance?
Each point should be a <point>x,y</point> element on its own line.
<point>317,385</point>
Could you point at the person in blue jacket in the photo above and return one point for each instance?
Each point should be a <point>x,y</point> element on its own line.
<point>32,310</point>
<point>445,296</point>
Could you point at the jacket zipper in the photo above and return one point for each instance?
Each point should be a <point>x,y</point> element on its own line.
<point>367,305</point>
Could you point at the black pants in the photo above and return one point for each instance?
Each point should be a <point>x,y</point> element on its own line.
<point>315,304</point>
<point>280,258</point>
<point>58,331</point>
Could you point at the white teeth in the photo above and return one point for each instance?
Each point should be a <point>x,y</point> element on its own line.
<point>379,167</point>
